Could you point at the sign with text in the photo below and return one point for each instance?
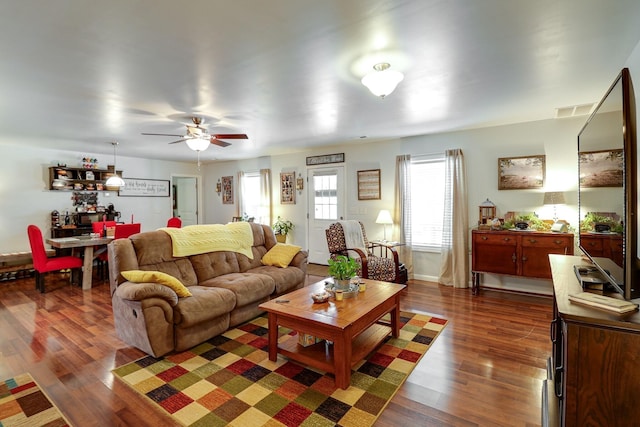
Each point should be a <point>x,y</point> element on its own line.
<point>138,187</point>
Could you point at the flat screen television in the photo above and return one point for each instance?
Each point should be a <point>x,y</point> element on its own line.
<point>607,190</point>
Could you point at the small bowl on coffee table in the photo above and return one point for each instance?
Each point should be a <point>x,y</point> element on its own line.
<point>320,297</point>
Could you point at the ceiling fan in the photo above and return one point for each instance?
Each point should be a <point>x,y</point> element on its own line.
<point>196,135</point>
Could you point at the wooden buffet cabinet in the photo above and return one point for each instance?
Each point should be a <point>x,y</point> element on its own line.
<point>605,245</point>
<point>516,253</point>
<point>594,369</point>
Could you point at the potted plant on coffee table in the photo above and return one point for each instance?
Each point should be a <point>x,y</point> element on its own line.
<point>342,269</point>
<point>282,227</point>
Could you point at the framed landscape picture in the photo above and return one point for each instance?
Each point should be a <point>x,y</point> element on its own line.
<point>521,173</point>
<point>601,168</point>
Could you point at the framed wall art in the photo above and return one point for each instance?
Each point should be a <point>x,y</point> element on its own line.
<point>288,188</point>
<point>521,173</point>
<point>227,190</point>
<point>369,184</point>
<point>601,168</point>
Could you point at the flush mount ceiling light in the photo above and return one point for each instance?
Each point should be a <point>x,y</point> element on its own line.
<point>114,180</point>
<point>382,81</point>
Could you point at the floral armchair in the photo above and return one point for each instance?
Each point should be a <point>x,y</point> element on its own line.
<point>371,266</point>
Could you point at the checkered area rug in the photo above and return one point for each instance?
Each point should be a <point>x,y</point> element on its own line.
<point>229,380</point>
<point>23,403</point>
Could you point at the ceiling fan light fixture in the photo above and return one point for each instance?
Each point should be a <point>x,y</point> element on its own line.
<point>198,144</point>
<point>382,81</point>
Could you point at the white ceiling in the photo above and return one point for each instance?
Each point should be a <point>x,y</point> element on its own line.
<point>77,74</point>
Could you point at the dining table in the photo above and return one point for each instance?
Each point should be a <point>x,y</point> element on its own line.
<point>90,252</point>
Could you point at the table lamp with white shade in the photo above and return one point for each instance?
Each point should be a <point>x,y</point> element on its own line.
<point>554,198</point>
<point>384,217</point>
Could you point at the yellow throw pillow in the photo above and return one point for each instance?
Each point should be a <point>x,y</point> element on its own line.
<point>280,255</point>
<point>140,276</point>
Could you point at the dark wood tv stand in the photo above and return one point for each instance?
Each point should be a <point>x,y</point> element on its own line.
<point>594,369</point>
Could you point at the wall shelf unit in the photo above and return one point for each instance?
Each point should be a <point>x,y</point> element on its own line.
<point>62,178</point>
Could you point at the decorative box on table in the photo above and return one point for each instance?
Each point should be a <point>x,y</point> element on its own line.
<point>306,340</point>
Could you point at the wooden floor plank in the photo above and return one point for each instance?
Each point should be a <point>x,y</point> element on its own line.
<point>485,369</point>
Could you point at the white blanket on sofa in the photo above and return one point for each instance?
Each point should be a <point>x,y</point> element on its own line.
<point>203,238</point>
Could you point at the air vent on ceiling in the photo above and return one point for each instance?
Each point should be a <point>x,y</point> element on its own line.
<point>574,110</point>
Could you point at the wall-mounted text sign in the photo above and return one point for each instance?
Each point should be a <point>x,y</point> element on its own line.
<point>324,159</point>
<point>138,187</point>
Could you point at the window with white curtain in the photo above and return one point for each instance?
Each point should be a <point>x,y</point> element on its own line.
<point>251,194</point>
<point>427,201</point>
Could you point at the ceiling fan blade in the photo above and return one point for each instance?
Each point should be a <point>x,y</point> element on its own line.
<point>230,136</point>
<point>180,140</point>
<point>219,143</point>
<point>160,134</point>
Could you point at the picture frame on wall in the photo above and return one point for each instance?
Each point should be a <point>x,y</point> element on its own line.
<point>603,168</point>
<point>521,173</point>
<point>369,184</point>
<point>288,188</point>
<point>227,190</point>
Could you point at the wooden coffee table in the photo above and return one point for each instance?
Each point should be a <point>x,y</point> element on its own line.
<point>353,325</point>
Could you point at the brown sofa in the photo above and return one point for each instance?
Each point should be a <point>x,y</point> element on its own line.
<point>226,289</point>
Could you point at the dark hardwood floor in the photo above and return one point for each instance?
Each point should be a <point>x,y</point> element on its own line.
<point>485,369</point>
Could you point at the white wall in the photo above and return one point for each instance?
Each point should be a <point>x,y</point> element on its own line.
<point>482,147</point>
<point>25,198</point>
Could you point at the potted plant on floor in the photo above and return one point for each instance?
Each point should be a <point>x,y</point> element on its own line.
<point>282,227</point>
<point>342,269</point>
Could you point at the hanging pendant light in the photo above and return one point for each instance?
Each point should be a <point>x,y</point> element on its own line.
<point>114,180</point>
<point>382,81</point>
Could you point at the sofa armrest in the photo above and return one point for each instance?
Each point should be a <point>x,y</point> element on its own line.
<point>300,260</point>
<point>141,291</point>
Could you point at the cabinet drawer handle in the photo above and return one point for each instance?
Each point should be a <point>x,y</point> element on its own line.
<point>533,241</point>
<point>557,242</point>
<point>524,258</point>
<point>513,258</point>
<point>484,237</point>
<point>506,239</point>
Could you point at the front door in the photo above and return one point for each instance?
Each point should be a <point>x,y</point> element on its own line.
<point>326,206</point>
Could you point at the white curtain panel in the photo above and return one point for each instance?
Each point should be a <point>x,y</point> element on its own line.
<point>265,216</point>
<point>239,193</point>
<point>402,212</point>
<point>454,266</point>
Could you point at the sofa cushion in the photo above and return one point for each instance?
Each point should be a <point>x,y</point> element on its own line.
<point>214,264</point>
<point>247,287</point>
<point>141,276</point>
<point>207,303</point>
<point>153,251</point>
<point>285,278</point>
<point>280,255</point>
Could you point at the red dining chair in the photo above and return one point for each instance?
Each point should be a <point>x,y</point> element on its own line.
<point>174,222</point>
<point>42,264</point>
<point>122,232</point>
